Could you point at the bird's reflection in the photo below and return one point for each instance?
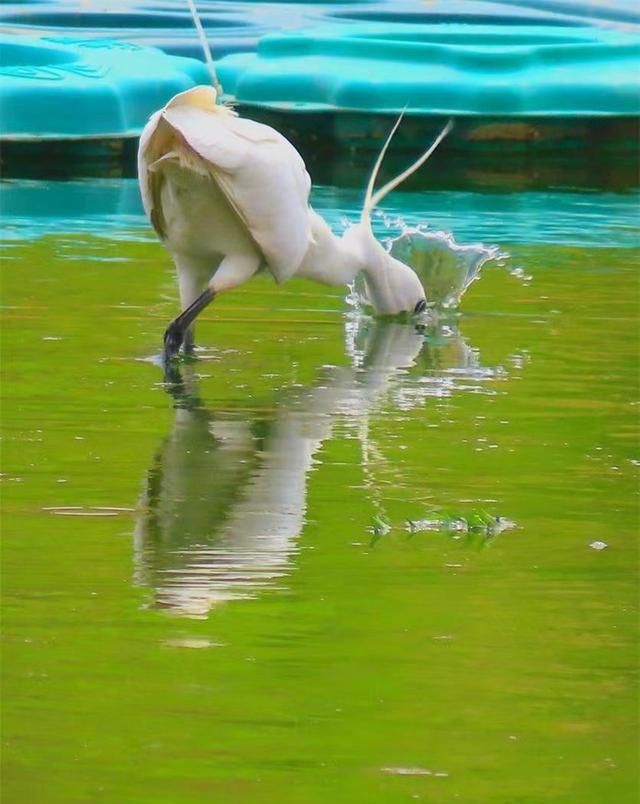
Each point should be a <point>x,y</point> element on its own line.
<point>225,499</point>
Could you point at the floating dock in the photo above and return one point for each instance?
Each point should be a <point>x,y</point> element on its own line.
<point>534,77</point>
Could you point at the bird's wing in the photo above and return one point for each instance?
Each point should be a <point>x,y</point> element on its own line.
<point>144,176</point>
<point>261,174</point>
<point>162,138</point>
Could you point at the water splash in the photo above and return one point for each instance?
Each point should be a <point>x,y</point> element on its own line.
<point>479,522</point>
<point>445,268</point>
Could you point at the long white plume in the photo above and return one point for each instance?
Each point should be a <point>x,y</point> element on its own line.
<point>368,206</point>
<point>373,199</point>
<point>204,42</point>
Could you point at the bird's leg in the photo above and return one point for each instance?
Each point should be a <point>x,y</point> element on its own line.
<point>175,332</point>
<point>188,342</point>
<point>233,270</point>
<point>193,277</point>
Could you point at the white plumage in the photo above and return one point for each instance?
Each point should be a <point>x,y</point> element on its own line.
<point>228,196</point>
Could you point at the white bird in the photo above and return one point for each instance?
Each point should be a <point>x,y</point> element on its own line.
<point>228,196</point>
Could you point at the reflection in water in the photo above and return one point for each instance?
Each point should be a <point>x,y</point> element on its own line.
<point>225,499</point>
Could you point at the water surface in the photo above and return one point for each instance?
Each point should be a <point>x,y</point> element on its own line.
<point>347,560</point>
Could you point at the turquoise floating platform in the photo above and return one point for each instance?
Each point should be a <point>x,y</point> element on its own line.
<point>233,27</point>
<point>444,69</point>
<point>550,76</point>
<point>64,88</point>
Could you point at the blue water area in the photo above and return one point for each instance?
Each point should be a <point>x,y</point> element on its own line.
<point>35,208</point>
<point>617,13</point>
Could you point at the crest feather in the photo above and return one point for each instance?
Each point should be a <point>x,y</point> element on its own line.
<point>373,199</point>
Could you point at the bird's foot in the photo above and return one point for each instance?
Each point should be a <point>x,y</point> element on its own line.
<point>173,338</point>
<point>420,307</point>
<point>188,345</point>
<point>180,332</point>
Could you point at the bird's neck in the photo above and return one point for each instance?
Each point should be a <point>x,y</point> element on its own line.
<point>329,259</point>
<point>392,287</point>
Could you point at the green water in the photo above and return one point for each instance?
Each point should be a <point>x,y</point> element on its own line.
<point>219,597</point>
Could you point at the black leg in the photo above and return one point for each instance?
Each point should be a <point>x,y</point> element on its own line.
<point>188,343</point>
<point>175,332</point>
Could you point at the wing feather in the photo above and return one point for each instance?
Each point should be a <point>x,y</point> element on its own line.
<point>259,171</point>
<point>144,175</point>
<point>262,176</point>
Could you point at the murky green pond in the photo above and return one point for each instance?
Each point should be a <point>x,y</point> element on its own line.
<point>349,561</point>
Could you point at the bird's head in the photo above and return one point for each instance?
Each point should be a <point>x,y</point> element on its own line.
<point>391,286</point>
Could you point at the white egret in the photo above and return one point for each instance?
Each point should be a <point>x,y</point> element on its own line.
<point>228,195</point>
